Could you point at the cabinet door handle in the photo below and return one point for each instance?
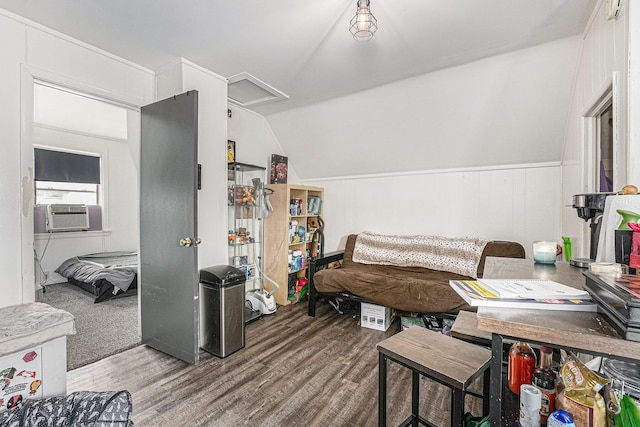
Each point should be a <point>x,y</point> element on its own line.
<point>186,242</point>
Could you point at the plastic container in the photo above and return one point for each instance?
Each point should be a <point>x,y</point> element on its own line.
<point>560,418</point>
<point>567,248</point>
<point>624,376</point>
<point>530,401</point>
<point>522,363</point>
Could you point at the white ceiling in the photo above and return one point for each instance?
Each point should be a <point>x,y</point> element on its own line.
<point>304,48</point>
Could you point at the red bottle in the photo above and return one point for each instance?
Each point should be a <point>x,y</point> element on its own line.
<point>522,363</point>
<point>545,379</point>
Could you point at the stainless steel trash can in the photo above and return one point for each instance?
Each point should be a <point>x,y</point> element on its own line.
<point>222,296</point>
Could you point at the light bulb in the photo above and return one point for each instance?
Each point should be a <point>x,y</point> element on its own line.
<point>364,24</point>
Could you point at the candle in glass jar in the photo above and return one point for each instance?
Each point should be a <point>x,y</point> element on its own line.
<point>544,252</point>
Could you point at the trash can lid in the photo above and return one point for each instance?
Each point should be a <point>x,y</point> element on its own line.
<point>222,275</point>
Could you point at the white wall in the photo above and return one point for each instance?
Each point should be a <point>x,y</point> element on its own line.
<point>470,150</point>
<point>34,52</point>
<point>255,141</point>
<point>633,162</point>
<point>11,211</point>
<point>503,110</point>
<point>518,203</point>
<point>604,51</point>
<point>120,201</point>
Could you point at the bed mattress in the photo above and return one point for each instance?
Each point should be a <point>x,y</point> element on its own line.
<point>105,274</point>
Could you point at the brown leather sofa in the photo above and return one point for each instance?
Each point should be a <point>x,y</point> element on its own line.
<point>409,289</point>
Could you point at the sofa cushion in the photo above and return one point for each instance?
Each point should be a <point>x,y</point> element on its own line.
<point>412,289</point>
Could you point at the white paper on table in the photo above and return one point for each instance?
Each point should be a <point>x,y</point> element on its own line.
<point>533,289</point>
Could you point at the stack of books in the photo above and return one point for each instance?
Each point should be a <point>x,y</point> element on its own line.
<point>525,294</point>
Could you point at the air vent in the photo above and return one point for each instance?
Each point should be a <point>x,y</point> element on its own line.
<point>247,90</point>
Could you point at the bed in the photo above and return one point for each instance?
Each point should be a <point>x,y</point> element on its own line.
<point>106,274</point>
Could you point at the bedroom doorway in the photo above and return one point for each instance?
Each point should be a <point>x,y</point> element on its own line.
<point>79,125</point>
<point>114,157</point>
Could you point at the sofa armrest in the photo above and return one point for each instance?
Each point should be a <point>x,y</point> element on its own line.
<point>315,265</point>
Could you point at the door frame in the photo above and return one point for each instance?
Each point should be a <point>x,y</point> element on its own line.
<point>609,94</point>
<point>29,75</point>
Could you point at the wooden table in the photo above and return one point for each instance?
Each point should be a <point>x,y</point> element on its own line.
<point>520,268</point>
<point>576,331</point>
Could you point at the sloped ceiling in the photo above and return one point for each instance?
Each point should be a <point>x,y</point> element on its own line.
<point>509,109</point>
<point>303,48</point>
<point>424,94</point>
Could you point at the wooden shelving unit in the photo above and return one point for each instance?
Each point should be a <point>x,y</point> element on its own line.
<point>277,237</point>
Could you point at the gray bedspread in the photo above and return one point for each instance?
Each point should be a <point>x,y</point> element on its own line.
<point>119,268</point>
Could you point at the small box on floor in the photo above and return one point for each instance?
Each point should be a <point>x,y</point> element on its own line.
<point>376,316</point>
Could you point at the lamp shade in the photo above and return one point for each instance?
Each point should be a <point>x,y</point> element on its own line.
<point>363,25</point>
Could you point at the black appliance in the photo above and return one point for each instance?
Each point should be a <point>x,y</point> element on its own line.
<point>590,207</point>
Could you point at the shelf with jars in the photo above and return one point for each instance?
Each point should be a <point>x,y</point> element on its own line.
<point>245,224</point>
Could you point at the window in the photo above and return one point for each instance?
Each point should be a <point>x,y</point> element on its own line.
<point>52,193</point>
<point>66,178</point>
<point>604,151</point>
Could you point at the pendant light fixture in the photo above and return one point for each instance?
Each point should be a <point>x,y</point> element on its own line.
<point>364,24</point>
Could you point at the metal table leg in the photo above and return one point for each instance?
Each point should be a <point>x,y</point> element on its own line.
<point>457,406</point>
<point>495,404</point>
<point>486,381</point>
<point>382,390</point>
<point>415,398</point>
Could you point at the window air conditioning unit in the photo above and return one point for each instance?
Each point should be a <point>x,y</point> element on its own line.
<point>67,218</point>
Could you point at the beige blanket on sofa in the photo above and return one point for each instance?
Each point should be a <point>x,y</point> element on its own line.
<point>459,255</point>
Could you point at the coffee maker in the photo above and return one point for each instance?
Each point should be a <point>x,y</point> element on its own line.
<point>590,207</point>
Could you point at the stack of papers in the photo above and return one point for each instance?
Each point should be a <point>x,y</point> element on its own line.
<point>536,289</point>
<point>526,294</point>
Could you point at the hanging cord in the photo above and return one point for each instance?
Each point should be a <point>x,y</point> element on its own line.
<point>44,279</point>
<point>269,279</point>
<point>264,207</point>
<point>274,265</point>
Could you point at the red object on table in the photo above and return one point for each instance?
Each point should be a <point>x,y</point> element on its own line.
<point>634,256</point>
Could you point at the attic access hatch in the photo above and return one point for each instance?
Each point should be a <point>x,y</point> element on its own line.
<point>247,90</point>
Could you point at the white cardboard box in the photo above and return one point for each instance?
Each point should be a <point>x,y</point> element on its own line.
<point>376,316</point>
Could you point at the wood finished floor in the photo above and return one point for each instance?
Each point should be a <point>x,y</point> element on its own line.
<point>295,370</point>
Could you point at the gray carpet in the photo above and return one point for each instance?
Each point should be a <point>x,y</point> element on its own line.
<point>102,329</point>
